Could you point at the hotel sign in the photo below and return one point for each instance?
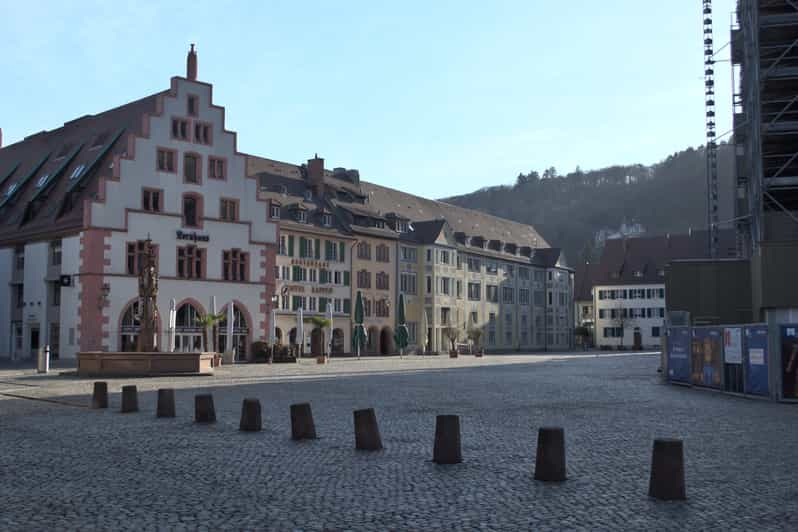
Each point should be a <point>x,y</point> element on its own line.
<point>313,289</point>
<point>192,236</point>
<point>310,263</point>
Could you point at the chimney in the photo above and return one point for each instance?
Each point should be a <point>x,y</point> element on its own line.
<point>316,174</point>
<point>191,64</point>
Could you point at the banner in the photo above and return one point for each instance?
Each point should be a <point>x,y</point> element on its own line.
<point>679,354</point>
<point>755,359</point>
<point>732,345</point>
<point>789,361</point>
<point>705,360</point>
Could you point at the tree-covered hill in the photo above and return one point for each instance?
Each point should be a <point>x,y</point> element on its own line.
<point>568,210</point>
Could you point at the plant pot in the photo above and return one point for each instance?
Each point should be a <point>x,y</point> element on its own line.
<point>452,354</point>
<point>228,358</point>
<point>321,359</point>
<point>478,353</point>
<point>217,360</point>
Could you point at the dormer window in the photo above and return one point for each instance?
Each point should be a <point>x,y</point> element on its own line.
<point>274,212</point>
<point>308,195</point>
<point>379,224</point>
<point>42,180</point>
<point>301,216</point>
<point>77,172</point>
<point>401,227</point>
<point>326,220</point>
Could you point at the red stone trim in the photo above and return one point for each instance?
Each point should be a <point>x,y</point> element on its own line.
<point>238,209</point>
<point>91,321</point>
<point>199,166</point>
<point>211,160</point>
<point>200,209</point>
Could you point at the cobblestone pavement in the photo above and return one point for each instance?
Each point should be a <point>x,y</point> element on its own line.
<point>69,467</point>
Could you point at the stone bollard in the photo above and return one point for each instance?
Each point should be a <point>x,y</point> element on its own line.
<point>550,457</point>
<point>99,398</point>
<point>250,416</point>
<point>166,403</point>
<point>130,400</point>
<point>667,471</point>
<point>367,433</point>
<point>447,440</point>
<point>302,426</point>
<point>203,408</point>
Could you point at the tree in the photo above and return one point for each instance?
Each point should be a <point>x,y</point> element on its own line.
<point>622,320</point>
<point>319,323</point>
<point>521,180</point>
<point>452,333</point>
<point>208,321</point>
<point>474,334</point>
<point>550,173</point>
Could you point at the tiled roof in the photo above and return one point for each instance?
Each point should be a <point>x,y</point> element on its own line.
<point>639,260</point>
<point>583,280</point>
<point>46,176</point>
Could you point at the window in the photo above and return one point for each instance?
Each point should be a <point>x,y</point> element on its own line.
<point>508,294</point>
<point>474,317</point>
<point>286,273</point>
<point>446,285</point>
<point>638,273</point>
<point>409,254</point>
<point>412,328</point>
<point>312,304</point>
<point>299,274</point>
<point>491,337</point>
<point>55,253</point>
<point>283,247</point>
<point>367,307</point>
<point>661,312</point>
<point>408,283</point>
<point>314,273</point>
<point>77,172</point>
<point>661,293</point>
<point>523,296</point>
<point>492,319</point>
<point>301,216</point>
<point>234,265</point>
<point>492,293</point>
<point>523,274</point>
<point>459,289</point>
<point>190,211</point>
<point>217,168</point>
<point>19,257</point>
<point>401,227</point>
<point>55,294</point>
<point>190,262</point>
<point>193,105</point>
<point>330,251</point>
<point>326,220</point>
<point>550,298</point>
<point>274,211</point>
<point>338,278</point>
<point>383,281</point>
<point>364,250</point>
<point>166,160</point>
<point>202,133</point>
<point>655,332</point>
<point>429,255</point>
<point>509,270</point>
<point>491,267</point>
<point>445,315</point>
<point>228,210</point>
<point>151,200</point>
<point>179,129</point>
<point>444,257</point>
<point>474,291</point>
<point>539,298</point>
<point>191,168</point>
<point>135,256</point>
<point>383,253</point>
<point>429,284</point>
<point>381,309</point>
<point>550,274</point>
<point>379,224</point>
<point>363,279</point>
<point>602,313</point>
<point>19,295</point>
<point>474,264</point>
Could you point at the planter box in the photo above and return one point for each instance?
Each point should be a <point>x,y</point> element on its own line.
<point>109,364</point>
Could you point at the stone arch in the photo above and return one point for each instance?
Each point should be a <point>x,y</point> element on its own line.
<point>242,329</point>
<point>128,328</point>
<point>188,335</point>
<point>316,342</point>
<point>338,341</point>
<point>386,341</point>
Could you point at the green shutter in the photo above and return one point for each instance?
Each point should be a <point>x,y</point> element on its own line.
<point>290,245</point>
<point>323,276</point>
<point>302,247</point>
<point>322,304</point>
<point>346,278</point>
<point>318,249</point>
<point>296,273</point>
<point>347,306</point>
<point>342,249</point>
<point>295,302</point>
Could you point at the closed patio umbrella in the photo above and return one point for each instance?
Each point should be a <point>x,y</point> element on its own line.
<point>358,332</point>
<point>300,330</point>
<point>330,317</point>
<point>230,343</point>
<point>172,324</point>
<point>401,336</point>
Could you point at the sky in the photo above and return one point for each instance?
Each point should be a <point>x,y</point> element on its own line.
<point>436,98</point>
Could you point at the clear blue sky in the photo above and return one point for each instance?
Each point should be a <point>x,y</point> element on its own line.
<point>435,98</point>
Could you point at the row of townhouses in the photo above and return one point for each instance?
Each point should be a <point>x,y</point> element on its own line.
<point>78,203</point>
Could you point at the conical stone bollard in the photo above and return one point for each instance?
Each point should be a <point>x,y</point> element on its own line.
<point>166,403</point>
<point>367,433</point>
<point>302,425</point>
<point>250,416</point>
<point>99,397</point>
<point>447,440</point>
<point>203,408</point>
<point>130,399</point>
<point>667,471</point>
<point>550,457</point>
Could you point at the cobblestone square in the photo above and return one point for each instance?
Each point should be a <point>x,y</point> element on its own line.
<point>70,467</point>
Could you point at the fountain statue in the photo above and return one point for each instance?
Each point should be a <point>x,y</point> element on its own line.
<point>148,294</point>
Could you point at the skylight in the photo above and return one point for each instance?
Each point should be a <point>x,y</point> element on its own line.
<point>77,172</point>
<point>42,180</point>
<point>11,189</point>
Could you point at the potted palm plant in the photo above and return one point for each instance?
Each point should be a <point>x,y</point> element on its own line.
<point>452,334</point>
<point>209,321</point>
<point>474,335</point>
<point>319,324</point>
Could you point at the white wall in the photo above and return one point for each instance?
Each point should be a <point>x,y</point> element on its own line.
<point>70,302</point>
<point>34,313</point>
<point>645,324</point>
<point>6,270</point>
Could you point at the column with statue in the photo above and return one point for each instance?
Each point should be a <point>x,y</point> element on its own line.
<point>148,295</point>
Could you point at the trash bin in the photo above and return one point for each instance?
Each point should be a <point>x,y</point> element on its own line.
<point>43,365</point>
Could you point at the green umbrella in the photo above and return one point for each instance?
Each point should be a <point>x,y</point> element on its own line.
<point>359,332</point>
<point>401,336</point>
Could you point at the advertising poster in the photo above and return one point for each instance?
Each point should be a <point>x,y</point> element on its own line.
<point>705,361</point>
<point>789,361</point>
<point>679,354</point>
<point>756,359</point>
<point>733,345</point>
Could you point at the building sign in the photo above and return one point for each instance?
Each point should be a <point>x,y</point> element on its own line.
<point>192,236</point>
<point>313,289</point>
<point>733,345</point>
<point>310,263</point>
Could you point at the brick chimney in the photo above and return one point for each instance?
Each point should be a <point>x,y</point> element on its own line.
<point>191,64</point>
<point>316,174</point>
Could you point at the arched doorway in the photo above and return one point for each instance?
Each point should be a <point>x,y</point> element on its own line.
<point>240,333</point>
<point>372,346</point>
<point>638,339</point>
<point>278,335</point>
<point>292,337</point>
<point>188,331</point>
<point>338,341</point>
<point>316,342</point>
<point>129,328</point>
<point>386,341</point>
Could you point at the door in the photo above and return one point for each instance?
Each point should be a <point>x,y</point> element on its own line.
<point>34,340</point>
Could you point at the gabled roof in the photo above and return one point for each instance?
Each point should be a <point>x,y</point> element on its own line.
<point>46,176</point>
<point>583,280</point>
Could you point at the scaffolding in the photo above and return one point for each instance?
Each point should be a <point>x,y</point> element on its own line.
<point>711,146</point>
<point>764,43</point>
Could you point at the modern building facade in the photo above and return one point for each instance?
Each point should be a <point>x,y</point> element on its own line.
<point>79,201</point>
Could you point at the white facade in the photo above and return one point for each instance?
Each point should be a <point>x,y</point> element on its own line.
<point>624,311</point>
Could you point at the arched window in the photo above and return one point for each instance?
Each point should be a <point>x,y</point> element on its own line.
<point>240,333</point>
<point>188,330</point>
<point>130,328</point>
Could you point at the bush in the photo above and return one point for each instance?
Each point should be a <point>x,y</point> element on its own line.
<point>260,351</point>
